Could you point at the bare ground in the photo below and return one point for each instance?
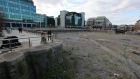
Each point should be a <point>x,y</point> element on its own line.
<point>103,55</point>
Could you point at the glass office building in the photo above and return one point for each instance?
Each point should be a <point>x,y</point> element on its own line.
<point>68,19</point>
<point>73,19</point>
<point>20,13</point>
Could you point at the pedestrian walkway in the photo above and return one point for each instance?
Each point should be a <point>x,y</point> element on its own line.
<point>25,37</point>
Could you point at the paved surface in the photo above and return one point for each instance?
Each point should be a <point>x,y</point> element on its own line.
<point>24,37</point>
<point>103,55</point>
<point>35,39</point>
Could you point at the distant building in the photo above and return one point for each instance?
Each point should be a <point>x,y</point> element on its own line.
<point>40,20</point>
<point>21,13</point>
<point>70,19</point>
<point>99,22</point>
<point>115,26</point>
<point>90,22</point>
<point>50,21</point>
<point>136,27</point>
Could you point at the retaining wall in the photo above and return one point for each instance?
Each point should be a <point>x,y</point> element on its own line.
<point>32,63</point>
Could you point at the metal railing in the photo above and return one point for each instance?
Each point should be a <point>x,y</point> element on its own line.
<point>27,42</point>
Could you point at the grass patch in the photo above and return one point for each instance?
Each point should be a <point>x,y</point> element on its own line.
<point>63,70</point>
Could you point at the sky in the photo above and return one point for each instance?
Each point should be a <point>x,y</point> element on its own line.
<point>117,11</point>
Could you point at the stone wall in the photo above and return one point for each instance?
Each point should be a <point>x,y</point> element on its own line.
<point>32,63</point>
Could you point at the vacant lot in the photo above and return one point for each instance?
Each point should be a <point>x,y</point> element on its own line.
<point>103,55</point>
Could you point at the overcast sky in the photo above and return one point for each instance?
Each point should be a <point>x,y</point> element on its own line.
<point>117,11</point>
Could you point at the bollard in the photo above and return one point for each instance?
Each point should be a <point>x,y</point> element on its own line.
<point>51,38</point>
<point>10,44</point>
<point>29,42</point>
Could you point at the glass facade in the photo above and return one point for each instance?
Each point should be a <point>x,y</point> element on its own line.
<point>39,18</point>
<point>73,19</point>
<point>20,11</point>
<point>68,19</point>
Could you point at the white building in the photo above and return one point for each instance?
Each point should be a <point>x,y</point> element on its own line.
<point>70,19</point>
<point>99,22</point>
<point>103,22</point>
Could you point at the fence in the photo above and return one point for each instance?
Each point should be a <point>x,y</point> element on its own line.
<point>16,43</point>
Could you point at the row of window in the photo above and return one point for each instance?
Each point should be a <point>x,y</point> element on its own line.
<point>21,17</point>
<point>18,5</point>
<point>15,11</point>
<point>39,18</point>
<point>26,2</point>
<point>19,10</point>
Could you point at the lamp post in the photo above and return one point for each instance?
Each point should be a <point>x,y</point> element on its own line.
<point>40,25</point>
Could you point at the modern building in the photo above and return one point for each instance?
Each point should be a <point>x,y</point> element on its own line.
<point>21,13</point>
<point>50,21</point>
<point>41,20</point>
<point>90,22</point>
<point>70,19</point>
<point>99,22</point>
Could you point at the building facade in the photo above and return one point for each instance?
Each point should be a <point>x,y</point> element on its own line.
<point>50,21</point>
<point>70,19</point>
<point>20,13</point>
<point>90,22</point>
<point>99,22</point>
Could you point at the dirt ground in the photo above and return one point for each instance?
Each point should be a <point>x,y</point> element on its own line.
<point>103,55</point>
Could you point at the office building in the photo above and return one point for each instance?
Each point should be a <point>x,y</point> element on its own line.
<point>21,13</point>
<point>50,21</point>
<point>99,22</point>
<point>90,22</point>
<point>70,19</point>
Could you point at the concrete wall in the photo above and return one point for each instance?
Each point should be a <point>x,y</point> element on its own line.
<point>30,64</point>
<point>62,18</point>
<point>83,19</point>
<point>56,22</point>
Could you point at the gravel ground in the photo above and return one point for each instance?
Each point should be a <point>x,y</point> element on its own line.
<point>103,55</point>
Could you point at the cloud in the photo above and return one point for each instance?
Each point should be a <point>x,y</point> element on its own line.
<point>116,10</point>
